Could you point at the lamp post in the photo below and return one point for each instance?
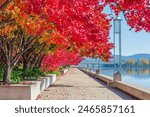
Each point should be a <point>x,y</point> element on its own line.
<point>117,31</point>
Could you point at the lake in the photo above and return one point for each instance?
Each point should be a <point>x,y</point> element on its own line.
<point>139,76</point>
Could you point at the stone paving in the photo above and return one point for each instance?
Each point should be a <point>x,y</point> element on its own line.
<point>76,85</point>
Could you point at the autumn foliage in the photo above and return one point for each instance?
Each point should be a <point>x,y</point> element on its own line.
<point>59,58</point>
<point>55,33</point>
<point>136,12</point>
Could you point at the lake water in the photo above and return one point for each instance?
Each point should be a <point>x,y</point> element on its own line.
<point>139,76</point>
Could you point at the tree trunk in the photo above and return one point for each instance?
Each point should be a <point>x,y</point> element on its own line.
<point>40,61</point>
<point>24,64</point>
<point>7,74</point>
<point>34,61</point>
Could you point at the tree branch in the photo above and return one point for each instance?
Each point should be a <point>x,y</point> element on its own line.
<point>5,4</point>
<point>123,11</point>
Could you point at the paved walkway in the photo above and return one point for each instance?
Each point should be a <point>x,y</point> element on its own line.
<point>76,85</point>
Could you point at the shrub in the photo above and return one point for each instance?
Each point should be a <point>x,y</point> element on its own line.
<point>55,72</point>
<point>33,74</point>
<point>1,72</point>
<point>65,67</point>
<point>16,76</point>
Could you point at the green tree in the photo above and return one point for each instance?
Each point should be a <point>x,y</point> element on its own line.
<point>131,62</point>
<point>144,62</point>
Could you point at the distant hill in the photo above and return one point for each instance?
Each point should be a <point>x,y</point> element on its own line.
<point>135,57</point>
<point>138,56</point>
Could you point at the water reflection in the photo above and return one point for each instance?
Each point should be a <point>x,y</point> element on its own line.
<point>128,71</point>
<point>136,76</point>
<point>139,75</point>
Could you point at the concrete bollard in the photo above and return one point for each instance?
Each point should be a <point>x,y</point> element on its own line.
<point>117,77</point>
<point>98,71</point>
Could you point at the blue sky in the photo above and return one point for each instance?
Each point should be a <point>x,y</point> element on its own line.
<point>132,42</point>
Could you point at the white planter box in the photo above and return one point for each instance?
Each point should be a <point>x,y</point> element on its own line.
<point>65,71</point>
<point>26,91</point>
